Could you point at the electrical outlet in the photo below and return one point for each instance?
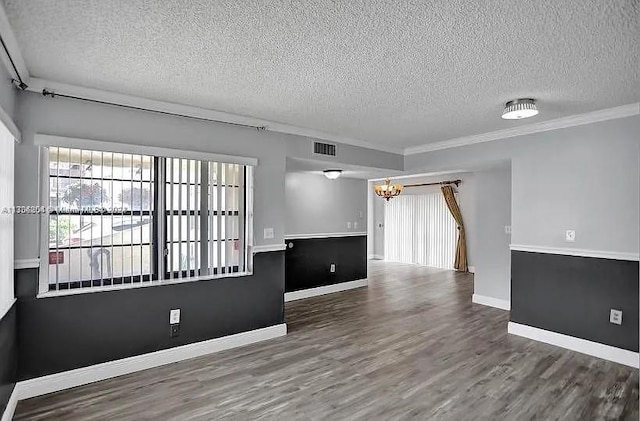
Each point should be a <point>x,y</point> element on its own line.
<point>349,225</point>
<point>615,317</point>
<point>507,229</point>
<point>355,225</point>
<point>570,236</point>
<point>174,330</point>
<point>174,316</point>
<point>268,233</point>
<point>332,268</point>
<point>360,214</point>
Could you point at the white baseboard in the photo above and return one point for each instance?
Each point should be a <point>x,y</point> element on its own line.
<point>471,269</point>
<point>81,376</point>
<point>329,289</point>
<point>595,349</point>
<point>376,257</point>
<point>491,302</point>
<point>7,415</point>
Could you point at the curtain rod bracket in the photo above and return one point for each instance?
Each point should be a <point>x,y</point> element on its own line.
<point>20,84</point>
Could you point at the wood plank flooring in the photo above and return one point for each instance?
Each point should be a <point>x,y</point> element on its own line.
<point>410,346</point>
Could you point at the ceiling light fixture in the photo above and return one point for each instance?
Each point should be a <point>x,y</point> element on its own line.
<point>332,174</point>
<point>520,108</point>
<point>388,190</point>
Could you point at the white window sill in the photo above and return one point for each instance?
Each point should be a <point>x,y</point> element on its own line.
<point>120,287</point>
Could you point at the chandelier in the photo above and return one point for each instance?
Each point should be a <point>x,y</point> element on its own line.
<point>388,190</point>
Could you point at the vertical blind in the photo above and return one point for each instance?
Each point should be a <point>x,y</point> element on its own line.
<point>100,218</point>
<point>6,219</point>
<point>420,229</point>
<point>120,218</point>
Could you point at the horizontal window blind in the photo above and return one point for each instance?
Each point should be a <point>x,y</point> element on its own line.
<point>420,229</point>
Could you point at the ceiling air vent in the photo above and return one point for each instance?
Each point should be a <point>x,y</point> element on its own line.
<point>324,148</point>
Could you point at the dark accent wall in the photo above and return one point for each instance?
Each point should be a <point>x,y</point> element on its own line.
<point>574,295</point>
<point>63,333</point>
<point>307,263</point>
<point>8,357</point>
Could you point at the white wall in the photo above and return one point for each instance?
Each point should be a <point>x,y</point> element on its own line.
<point>7,93</point>
<point>492,254</point>
<point>317,205</point>
<point>584,178</point>
<point>586,181</point>
<point>72,118</point>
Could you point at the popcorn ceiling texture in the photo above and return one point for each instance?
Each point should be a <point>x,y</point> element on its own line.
<point>398,73</point>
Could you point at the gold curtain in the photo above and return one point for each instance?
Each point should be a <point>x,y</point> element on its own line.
<point>460,263</point>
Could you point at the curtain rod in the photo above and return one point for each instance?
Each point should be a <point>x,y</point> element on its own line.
<point>133,107</point>
<point>19,83</point>
<point>439,183</point>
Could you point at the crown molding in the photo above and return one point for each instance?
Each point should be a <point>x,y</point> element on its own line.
<point>11,43</point>
<point>543,126</point>
<point>38,84</point>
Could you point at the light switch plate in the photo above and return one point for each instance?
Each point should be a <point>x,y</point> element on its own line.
<point>268,233</point>
<point>570,236</point>
<point>615,316</point>
<point>174,316</point>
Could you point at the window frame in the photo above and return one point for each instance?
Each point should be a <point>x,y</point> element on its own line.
<point>43,142</point>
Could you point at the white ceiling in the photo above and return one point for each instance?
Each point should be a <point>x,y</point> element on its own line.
<point>390,72</point>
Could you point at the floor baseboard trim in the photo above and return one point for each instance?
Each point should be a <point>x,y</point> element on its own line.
<point>491,302</point>
<point>376,257</point>
<point>328,289</point>
<point>81,376</point>
<point>471,269</point>
<point>595,349</point>
<point>7,415</point>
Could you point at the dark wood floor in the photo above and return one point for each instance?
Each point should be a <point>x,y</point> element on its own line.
<point>411,345</point>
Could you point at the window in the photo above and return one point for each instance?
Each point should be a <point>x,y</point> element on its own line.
<point>130,219</point>
<point>6,219</point>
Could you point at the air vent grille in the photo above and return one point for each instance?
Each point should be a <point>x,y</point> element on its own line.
<point>324,148</point>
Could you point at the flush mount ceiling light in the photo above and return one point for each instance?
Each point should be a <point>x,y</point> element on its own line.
<point>519,108</point>
<point>388,190</point>
<point>332,174</point>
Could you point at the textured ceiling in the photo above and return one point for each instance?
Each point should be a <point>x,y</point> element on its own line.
<point>397,73</point>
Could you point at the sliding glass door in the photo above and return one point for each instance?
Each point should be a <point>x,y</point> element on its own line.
<point>419,229</point>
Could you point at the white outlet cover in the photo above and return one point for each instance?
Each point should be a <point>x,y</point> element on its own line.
<point>355,225</point>
<point>349,225</point>
<point>174,316</point>
<point>615,316</point>
<point>332,268</point>
<point>507,229</point>
<point>570,236</point>
<point>268,233</point>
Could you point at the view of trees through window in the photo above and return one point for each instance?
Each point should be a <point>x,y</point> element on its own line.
<point>104,227</point>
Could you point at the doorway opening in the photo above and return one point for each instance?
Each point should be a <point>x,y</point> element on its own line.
<point>419,229</point>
